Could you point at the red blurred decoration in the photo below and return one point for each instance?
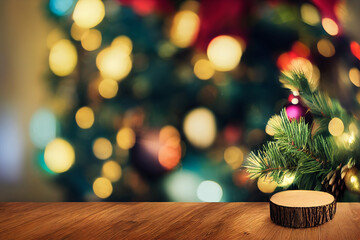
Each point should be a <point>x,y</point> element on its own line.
<point>291,97</point>
<point>216,19</point>
<point>298,49</point>
<point>241,178</point>
<point>327,8</point>
<point>355,49</point>
<point>146,7</point>
<point>232,134</point>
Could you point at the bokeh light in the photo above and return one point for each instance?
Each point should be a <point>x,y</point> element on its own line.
<point>77,32</point>
<point>59,155</point>
<point>274,121</point>
<point>209,191</point>
<point>181,186</point>
<point>184,28</point>
<point>108,88</point>
<point>200,127</point>
<point>309,14</point>
<point>88,13</point>
<point>126,138</point>
<point>336,126</point>
<point>326,48</point>
<point>85,117</point>
<point>114,62</point>
<point>63,58</point>
<point>224,52</point>
<point>102,187</point>
<point>91,39</point>
<point>355,49</point>
<point>203,69</point>
<point>112,171</point>
<point>170,149</point>
<point>287,180</point>
<point>60,7</point>
<point>42,127</point>
<point>354,75</point>
<point>54,36</point>
<point>330,26</point>
<point>266,184</point>
<point>102,148</point>
<point>124,43</point>
<point>234,156</point>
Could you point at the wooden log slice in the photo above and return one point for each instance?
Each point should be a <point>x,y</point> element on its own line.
<point>301,208</point>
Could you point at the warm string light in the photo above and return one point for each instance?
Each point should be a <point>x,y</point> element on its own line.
<point>336,126</point>
<point>59,155</point>
<point>102,148</point>
<point>184,28</point>
<point>200,127</point>
<point>309,14</point>
<point>88,13</point>
<point>330,26</point>
<point>224,52</point>
<point>326,48</point>
<point>85,117</point>
<point>63,58</point>
<point>234,156</point>
<point>102,187</point>
<point>112,171</point>
<point>126,138</point>
<point>266,184</point>
<point>115,62</point>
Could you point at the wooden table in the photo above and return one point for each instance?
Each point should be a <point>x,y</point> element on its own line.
<point>163,221</point>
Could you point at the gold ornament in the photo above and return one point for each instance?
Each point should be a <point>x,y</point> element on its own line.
<point>352,180</point>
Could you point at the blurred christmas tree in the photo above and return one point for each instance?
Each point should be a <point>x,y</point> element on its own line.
<point>152,98</point>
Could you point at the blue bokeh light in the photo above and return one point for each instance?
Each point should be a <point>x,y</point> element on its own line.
<point>61,7</point>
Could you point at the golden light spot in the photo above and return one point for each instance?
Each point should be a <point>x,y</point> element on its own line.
<point>326,48</point>
<point>354,75</point>
<point>330,26</point>
<point>200,127</point>
<point>266,185</point>
<point>336,127</point>
<point>108,88</point>
<point>287,180</point>
<point>114,63</point>
<point>102,148</point>
<point>77,32</point>
<point>126,138</point>
<point>203,69</point>
<point>102,187</point>
<point>224,52</point>
<point>170,148</point>
<point>358,97</point>
<point>63,58</point>
<point>91,40</point>
<point>84,117</point>
<point>124,43</point>
<point>54,36</point>
<point>234,157</point>
<point>184,28</point>
<point>309,14</point>
<point>112,171</point>
<point>59,155</point>
<point>88,13</point>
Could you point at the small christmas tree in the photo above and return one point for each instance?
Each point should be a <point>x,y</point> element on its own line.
<point>318,154</point>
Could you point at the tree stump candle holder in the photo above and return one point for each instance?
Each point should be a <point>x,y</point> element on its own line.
<point>301,208</point>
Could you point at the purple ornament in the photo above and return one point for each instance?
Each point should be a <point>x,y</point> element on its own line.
<point>295,111</point>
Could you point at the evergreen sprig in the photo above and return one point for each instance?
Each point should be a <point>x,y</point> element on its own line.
<point>297,150</point>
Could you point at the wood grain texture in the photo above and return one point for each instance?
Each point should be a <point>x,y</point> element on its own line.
<point>302,208</point>
<point>163,221</point>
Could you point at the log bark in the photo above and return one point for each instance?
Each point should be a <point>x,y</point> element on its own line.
<point>302,209</point>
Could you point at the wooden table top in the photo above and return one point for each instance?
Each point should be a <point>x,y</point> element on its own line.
<point>163,221</point>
